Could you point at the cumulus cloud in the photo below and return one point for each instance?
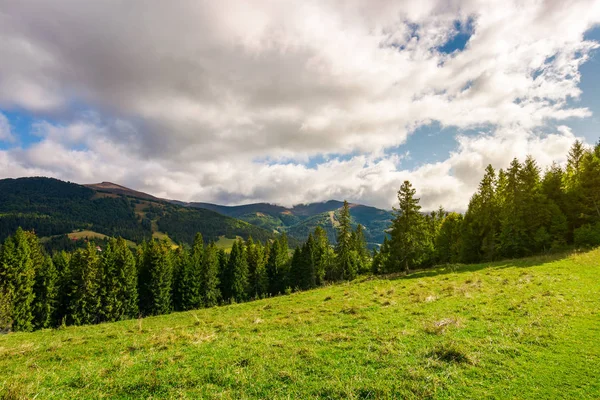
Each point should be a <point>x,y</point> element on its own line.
<point>194,94</point>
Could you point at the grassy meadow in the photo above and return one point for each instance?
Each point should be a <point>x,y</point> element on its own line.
<point>527,328</point>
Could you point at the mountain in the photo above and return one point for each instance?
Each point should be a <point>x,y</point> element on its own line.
<point>109,187</point>
<point>298,221</point>
<point>54,208</point>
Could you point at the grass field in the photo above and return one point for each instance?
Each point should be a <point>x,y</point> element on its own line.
<point>225,243</point>
<point>518,329</point>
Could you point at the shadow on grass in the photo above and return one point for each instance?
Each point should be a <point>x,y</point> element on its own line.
<point>460,268</point>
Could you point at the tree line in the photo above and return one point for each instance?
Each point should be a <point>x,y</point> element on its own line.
<point>92,284</point>
<point>515,212</point>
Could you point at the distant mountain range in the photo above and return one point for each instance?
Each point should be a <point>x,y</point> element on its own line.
<point>53,207</point>
<point>300,220</point>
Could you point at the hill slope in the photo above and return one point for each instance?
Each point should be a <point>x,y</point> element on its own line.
<point>517,329</point>
<point>300,220</point>
<point>52,207</point>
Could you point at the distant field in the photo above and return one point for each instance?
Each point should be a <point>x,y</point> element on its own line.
<point>225,243</point>
<point>518,329</point>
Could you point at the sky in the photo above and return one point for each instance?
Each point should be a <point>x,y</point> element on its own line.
<point>291,102</point>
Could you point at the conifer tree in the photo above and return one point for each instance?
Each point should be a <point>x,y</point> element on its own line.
<point>236,283</point>
<point>346,256</point>
<point>209,284</point>
<point>61,261</point>
<point>17,278</point>
<point>359,244</point>
<point>85,302</point>
<point>323,256</point>
<point>185,294</point>
<point>156,279</point>
<point>408,232</point>
<point>258,279</point>
<point>296,268</point>
<point>448,241</point>
<point>46,295</point>
<point>119,289</point>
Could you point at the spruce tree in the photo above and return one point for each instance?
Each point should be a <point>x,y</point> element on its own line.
<point>236,284</point>
<point>323,256</point>
<point>156,279</point>
<point>345,255</point>
<point>119,289</point>
<point>46,295</point>
<point>61,261</point>
<point>209,284</point>
<point>408,232</point>
<point>17,278</point>
<point>85,302</point>
<point>448,240</point>
<point>185,291</point>
<point>258,279</point>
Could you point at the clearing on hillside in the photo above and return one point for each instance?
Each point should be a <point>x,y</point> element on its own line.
<point>526,328</point>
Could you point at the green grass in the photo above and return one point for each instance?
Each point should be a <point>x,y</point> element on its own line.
<point>518,329</point>
<point>226,243</point>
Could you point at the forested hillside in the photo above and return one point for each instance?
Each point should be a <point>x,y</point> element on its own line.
<point>53,208</point>
<point>300,220</point>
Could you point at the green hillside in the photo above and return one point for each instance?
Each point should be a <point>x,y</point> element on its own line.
<point>53,208</point>
<point>300,220</point>
<point>526,328</point>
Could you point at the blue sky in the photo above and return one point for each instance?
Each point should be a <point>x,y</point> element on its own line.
<point>237,103</point>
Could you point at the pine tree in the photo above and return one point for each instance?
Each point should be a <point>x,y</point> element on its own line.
<point>119,289</point>
<point>345,255</point>
<point>209,284</point>
<point>448,240</point>
<point>258,279</point>
<point>408,232</point>
<point>512,239</point>
<point>46,295</point>
<point>185,293</point>
<point>323,256</point>
<point>61,261</point>
<point>86,283</point>
<point>296,269</point>
<point>17,278</point>
<point>278,265</point>
<point>359,244</point>
<point>236,284</point>
<point>156,279</point>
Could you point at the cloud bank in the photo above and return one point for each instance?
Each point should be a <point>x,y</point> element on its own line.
<point>228,101</point>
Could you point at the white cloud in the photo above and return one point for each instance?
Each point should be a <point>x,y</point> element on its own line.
<point>5,129</point>
<point>190,93</point>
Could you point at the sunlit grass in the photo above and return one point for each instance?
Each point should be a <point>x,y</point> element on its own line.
<point>516,329</point>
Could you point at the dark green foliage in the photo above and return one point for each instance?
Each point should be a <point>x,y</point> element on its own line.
<point>119,288</point>
<point>86,286</point>
<point>188,276</point>
<point>17,278</point>
<point>209,283</point>
<point>257,271</point>
<point>278,265</point>
<point>235,285</point>
<point>46,291</point>
<point>156,278</point>
<point>448,241</point>
<point>345,250</point>
<point>408,233</point>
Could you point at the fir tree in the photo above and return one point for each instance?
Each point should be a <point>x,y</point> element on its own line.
<point>346,256</point>
<point>87,279</point>
<point>236,284</point>
<point>408,232</point>
<point>46,295</point>
<point>17,278</point>
<point>209,283</point>
<point>61,261</point>
<point>156,279</point>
